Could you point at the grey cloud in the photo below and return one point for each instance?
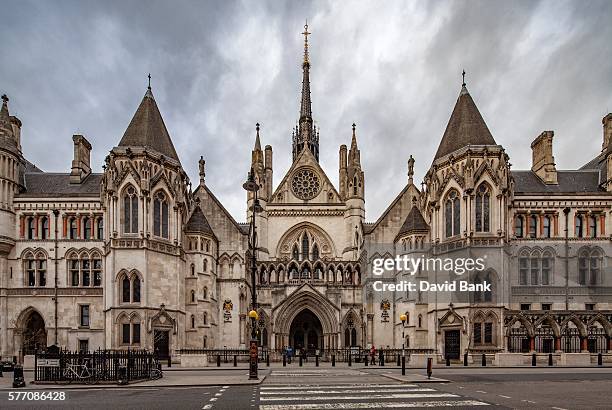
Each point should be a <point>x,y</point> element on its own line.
<point>220,67</point>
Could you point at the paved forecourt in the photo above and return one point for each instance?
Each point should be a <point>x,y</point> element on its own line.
<point>350,389</point>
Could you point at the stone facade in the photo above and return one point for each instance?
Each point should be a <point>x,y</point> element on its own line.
<point>133,257</point>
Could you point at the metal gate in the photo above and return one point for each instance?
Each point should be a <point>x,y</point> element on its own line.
<point>570,340</point>
<point>598,340</point>
<point>452,344</point>
<point>544,340</point>
<point>518,340</point>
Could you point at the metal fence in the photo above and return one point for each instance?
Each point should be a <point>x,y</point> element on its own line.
<point>105,364</point>
<point>518,340</point>
<point>597,340</point>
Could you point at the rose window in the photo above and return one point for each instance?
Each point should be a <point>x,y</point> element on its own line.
<point>305,184</point>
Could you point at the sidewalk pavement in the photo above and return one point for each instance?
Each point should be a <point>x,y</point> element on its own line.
<point>414,378</point>
<point>170,379</point>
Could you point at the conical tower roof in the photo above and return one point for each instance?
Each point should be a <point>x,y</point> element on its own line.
<point>414,223</point>
<point>198,223</point>
<point>465,127</point>
<point>147,129</point>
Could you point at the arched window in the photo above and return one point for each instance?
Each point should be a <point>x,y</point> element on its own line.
<point>546,227</point>
<point>31,228</point>
<point>35,268</point>
<point>547,266</point>
<point>305,246</point>
<point>315,252</point>
<point>205,293</point>
<point>205,265</point>
<point>160,215</point>
<point>533,226</point>
<point>420,321</point>
<point>86,228</point>
<point>72,231</point>
<point>579,226</point>
<point>100,228</point>
<point>130,331</point>
<point>347,337</point>
<point>534,267</point>
<point>192,269</point>
<point>204,342</point>
<point>295,254</point>
<point>44,225</point>
<point>524,268</point>
<point>136,290</point>
<point>483,200</point>
<point>592,226</point>
<point>590,263</point>
<point>125,290</point>
<point>353,337</point>
<point>130,211</point>
<point>205,319</point>
<point>519,226</point>
<point>452,212</point>
<point>355,185</point>
<point>193,296</point>
<point>192,321</point>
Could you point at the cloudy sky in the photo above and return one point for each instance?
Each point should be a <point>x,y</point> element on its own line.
<point>391,67</point>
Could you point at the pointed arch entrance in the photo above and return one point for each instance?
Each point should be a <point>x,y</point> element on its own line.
<point>306,331</point>
<point>34,333</point>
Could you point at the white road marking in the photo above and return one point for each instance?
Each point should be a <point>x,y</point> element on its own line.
<point>480,391</point>
<point>371,396</point>
<point>208,406</point>
<point>505,397</point>
<point>335,406</point>
<point>213,399</point>
<point>218,394</point>
<point>558,408</point>
<point>344,391</point>
<point>226,387</point>
<point>336,386</point>
<point>529,401</point>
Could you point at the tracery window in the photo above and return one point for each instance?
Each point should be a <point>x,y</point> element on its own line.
<point>483,201</point>
<point>31,231</point>
<point>100,228</point>
<point>536,267</point>
<point>592,226</point>
<point>86,228</point>
<point>546,231</point>
<point>452,211</point>
<point>130,211</point>
<point>590,263</point>
<point>130,288</point>
<point>305,246</point>
<point>35,268</point>
<point>72,228</point>
<point>160,215</point>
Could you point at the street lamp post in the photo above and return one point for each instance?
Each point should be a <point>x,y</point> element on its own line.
<point>251,186</point>
<point>403,318</point>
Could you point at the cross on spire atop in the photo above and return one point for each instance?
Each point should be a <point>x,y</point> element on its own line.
<point>149,76</point>
<point>306,33</point>
<point>463,75</point>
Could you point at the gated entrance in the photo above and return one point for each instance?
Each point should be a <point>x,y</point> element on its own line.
<point>452,344</point>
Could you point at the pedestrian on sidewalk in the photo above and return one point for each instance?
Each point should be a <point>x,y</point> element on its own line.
<point>381,357</point>
<point>373,355</point>
<point>289,354</point>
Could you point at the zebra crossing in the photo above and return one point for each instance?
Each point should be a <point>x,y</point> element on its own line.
<point>357,396</point>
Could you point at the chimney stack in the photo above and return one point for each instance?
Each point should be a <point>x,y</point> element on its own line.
<point>80,164</point>
<point>543,162</point>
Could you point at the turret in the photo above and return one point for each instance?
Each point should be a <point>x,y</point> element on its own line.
<point>343,171</point>
<point>356,186</point>
<point>10,154</point>
<point>354,197</point>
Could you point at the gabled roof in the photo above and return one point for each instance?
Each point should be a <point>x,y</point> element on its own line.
<point>414,223</point>
<point>198,223</point>
<point>465,127</point>
<point>147,129</point>
<point>50,185</point>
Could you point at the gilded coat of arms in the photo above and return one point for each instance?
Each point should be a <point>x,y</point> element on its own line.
<point>228,305</point>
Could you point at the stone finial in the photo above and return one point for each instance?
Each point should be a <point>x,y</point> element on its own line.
<point>202,165</point>
<point>410,169</point>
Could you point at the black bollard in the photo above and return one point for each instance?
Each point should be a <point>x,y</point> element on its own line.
<point>550,362</point>
<point>365,360</point>
<point>398,360</point>
<point>218,360</point>
<point>447,360</point>
<point>235,361</point>
<point>300,360</point>
<point>317,360</point>
<point>599,359</point>
<point>382,360</point>
<point>429,367</point>
<point>403,365</point>
<point>465,359</point>
<point>268,360</point>
<point>284,360</point>
<point>484,360</point>
<point>1,366</point>
<point>350,364</point>
<point>533,359</point>
<point>169,361</point>
<point>333,360</point>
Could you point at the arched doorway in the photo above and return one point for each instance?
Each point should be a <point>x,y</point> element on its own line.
<point>34,336</point>
<point>306,332</point>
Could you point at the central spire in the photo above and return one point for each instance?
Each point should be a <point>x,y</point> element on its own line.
<point>306,135</point>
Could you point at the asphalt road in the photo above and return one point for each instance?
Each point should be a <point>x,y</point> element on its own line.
<point>304,389</point>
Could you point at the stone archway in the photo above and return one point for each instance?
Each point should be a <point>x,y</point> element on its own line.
<point>321,316</point>
<point>33,333</point>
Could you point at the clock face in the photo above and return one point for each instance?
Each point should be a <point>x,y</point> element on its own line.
<point>305,183</point>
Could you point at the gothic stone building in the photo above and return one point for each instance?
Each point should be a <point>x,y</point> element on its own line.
<point>133,257</point>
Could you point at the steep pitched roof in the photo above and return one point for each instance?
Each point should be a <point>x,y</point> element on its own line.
<point>198,223</point>
<point>414,223</point>
<point>147,129</point>
<point>572,182</point>
<point>39,184</point>
<point>465,127</point>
